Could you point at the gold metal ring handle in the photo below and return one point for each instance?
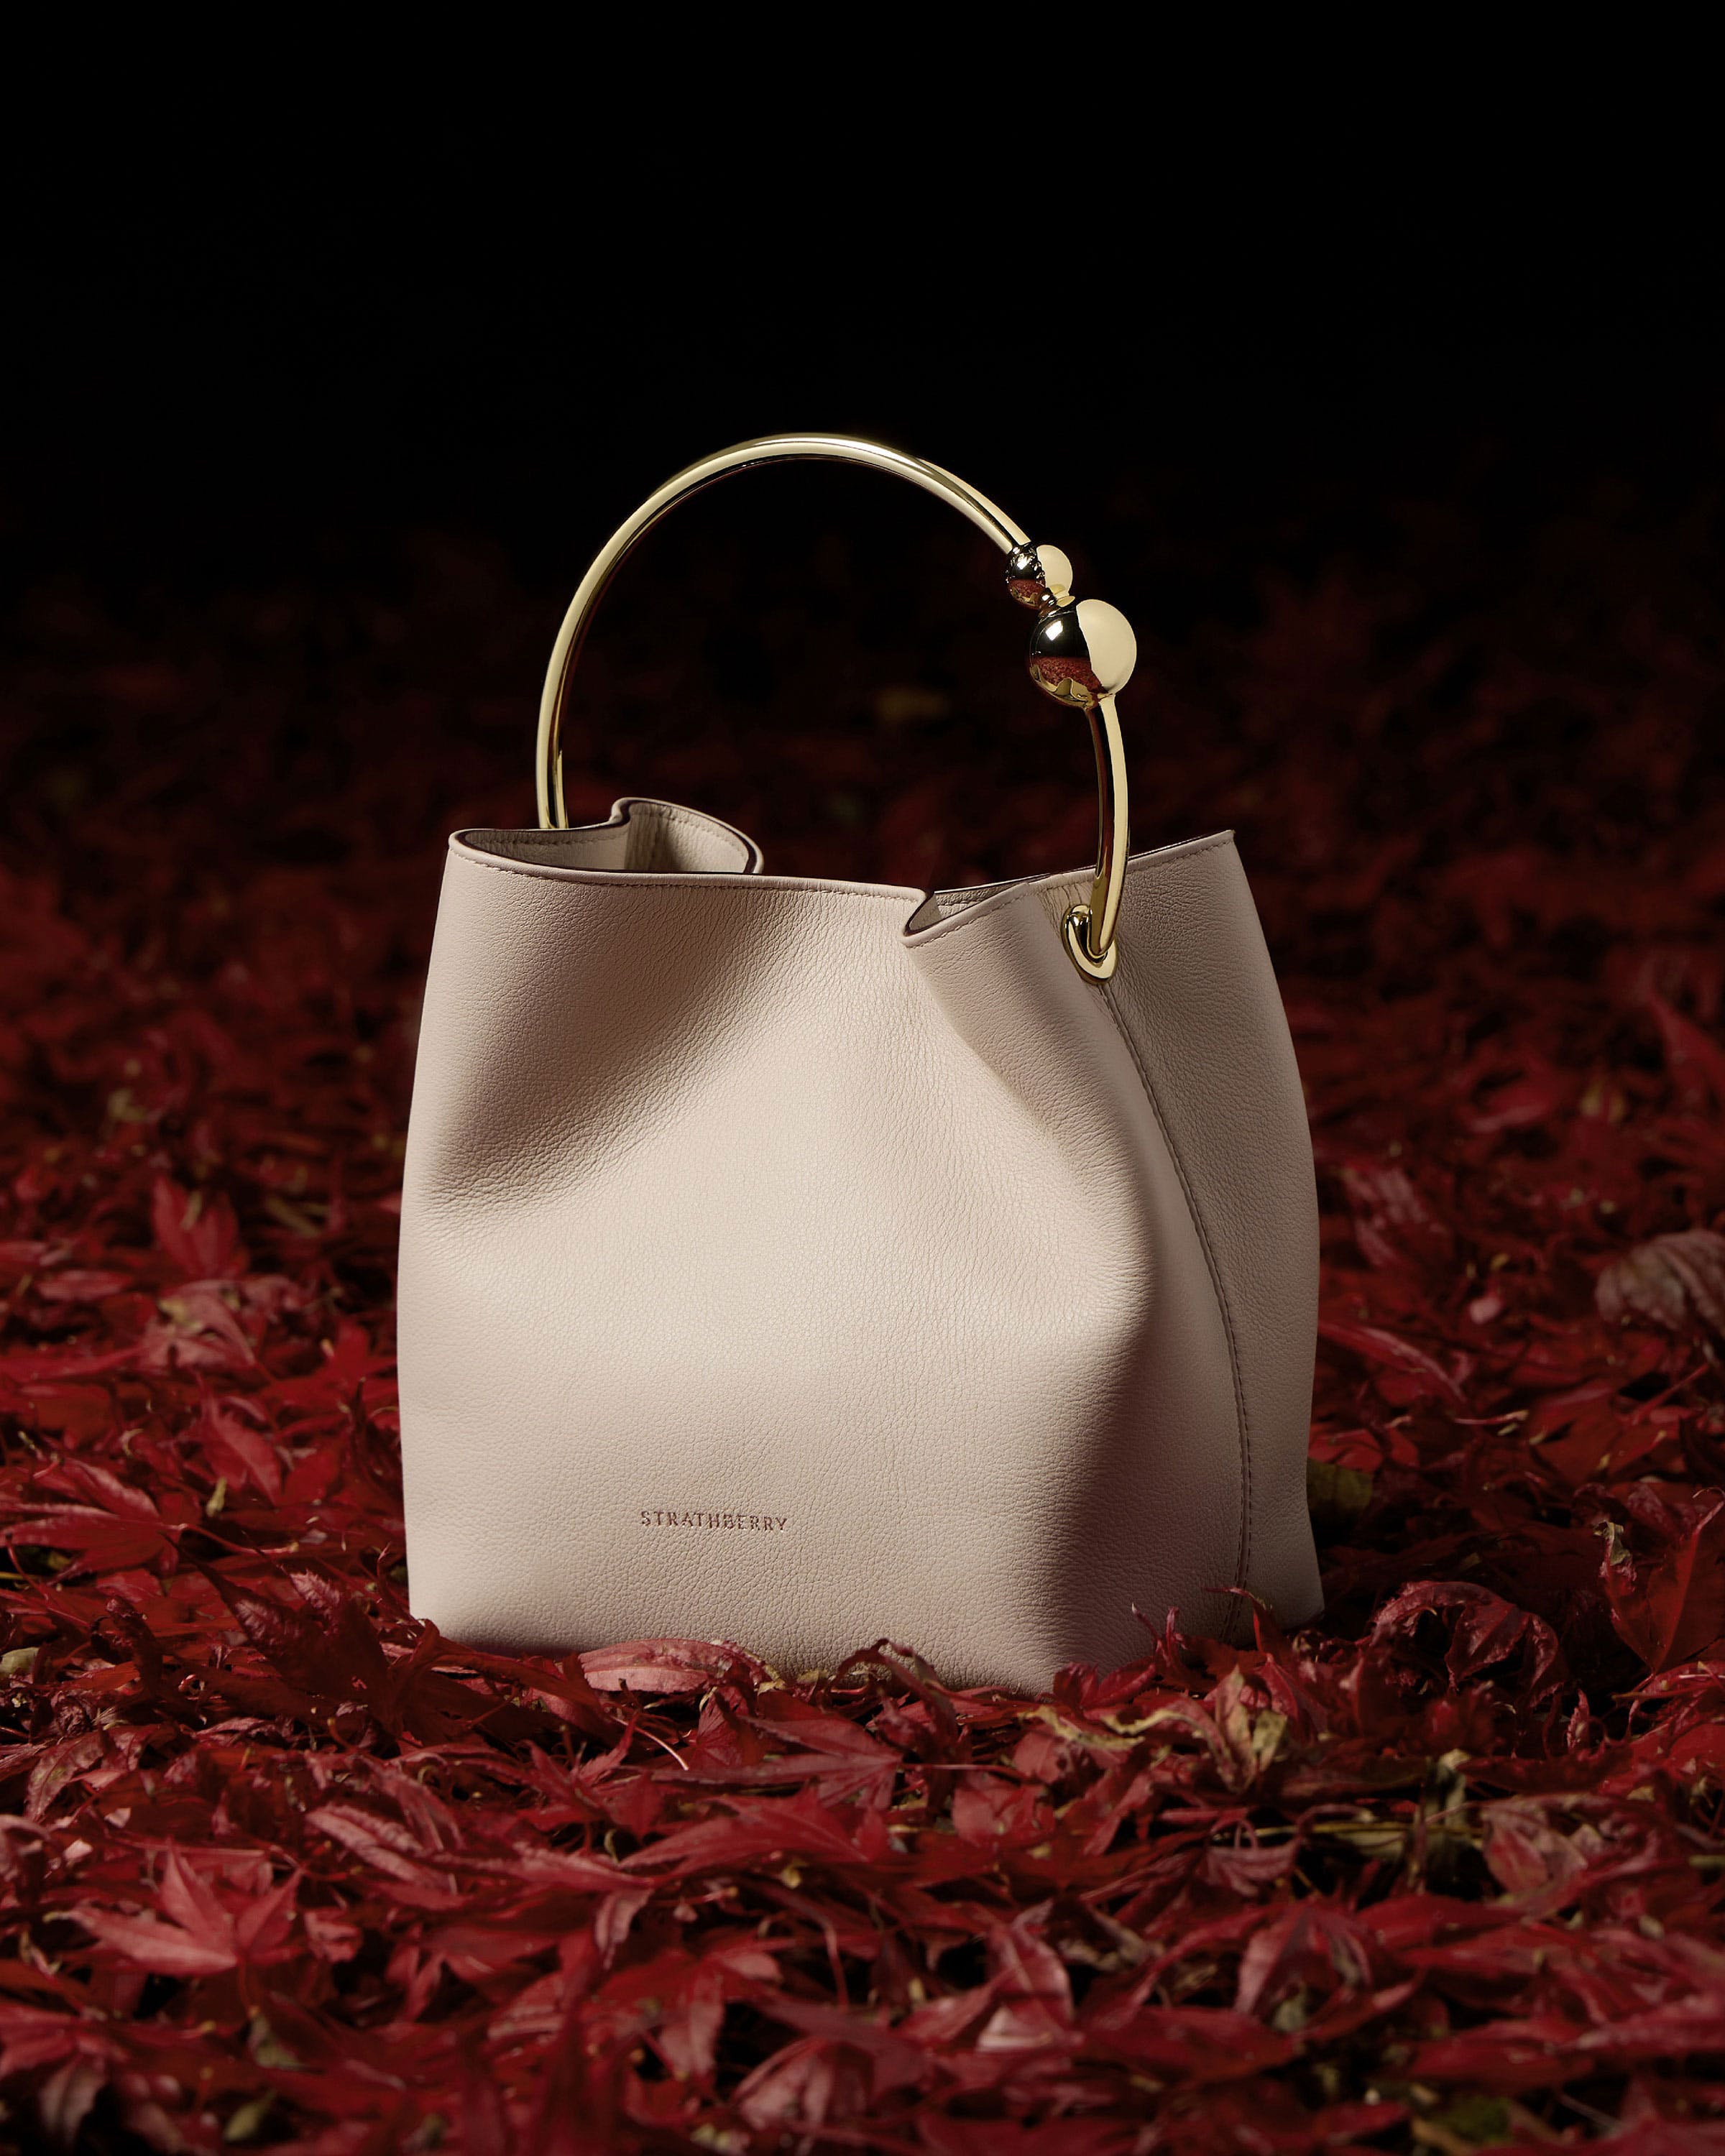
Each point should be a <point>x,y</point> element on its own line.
<point>1081,651</point>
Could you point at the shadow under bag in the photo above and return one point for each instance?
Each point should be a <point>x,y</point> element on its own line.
<point>805,1263</point>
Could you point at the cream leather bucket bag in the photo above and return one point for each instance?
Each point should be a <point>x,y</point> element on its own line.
<point>804,1264</point>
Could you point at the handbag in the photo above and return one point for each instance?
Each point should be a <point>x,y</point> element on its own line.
<point>807,1263</point>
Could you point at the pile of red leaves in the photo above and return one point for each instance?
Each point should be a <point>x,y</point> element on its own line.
<point>284,1869</point>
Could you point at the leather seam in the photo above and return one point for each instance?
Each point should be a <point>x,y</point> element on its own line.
<point>998,901</point>
<point>657,817</point>
<point>704,882</point>
<point>711,879</point>
<point>936,929</point>
<point>1242,1418</point>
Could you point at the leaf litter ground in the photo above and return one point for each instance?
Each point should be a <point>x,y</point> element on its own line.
<point>284,1869</point>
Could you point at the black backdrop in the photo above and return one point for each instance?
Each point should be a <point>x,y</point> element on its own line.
<point>216,375</point>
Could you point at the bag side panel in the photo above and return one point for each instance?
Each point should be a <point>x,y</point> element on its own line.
<point>1143,1495</point>
<point>1196,995</point>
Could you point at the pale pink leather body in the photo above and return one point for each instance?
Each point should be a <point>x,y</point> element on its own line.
<point>801,1264</point>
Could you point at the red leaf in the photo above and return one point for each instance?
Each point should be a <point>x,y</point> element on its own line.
<point>165,1948</point>
<point>241,1451</point>
<point>1431,1380</point>
<point>1199,2045</point>
<point>1479,1634</point>
<point>1672,1608</point>
<point>803,2086</point>
<point>1696,1061</point>
<point>198,1233</point>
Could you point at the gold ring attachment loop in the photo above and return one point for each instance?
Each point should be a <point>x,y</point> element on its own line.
<point>1081,651</point>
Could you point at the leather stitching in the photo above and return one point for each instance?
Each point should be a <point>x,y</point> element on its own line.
<point>667,813</point>
<point>1243,1421</point>
<point>549,837</point>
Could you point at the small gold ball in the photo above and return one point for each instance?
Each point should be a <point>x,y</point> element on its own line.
<point>1082,651</point>
<point>1038,575</point>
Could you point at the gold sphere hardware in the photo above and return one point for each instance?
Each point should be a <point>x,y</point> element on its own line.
<point>1038,575</point>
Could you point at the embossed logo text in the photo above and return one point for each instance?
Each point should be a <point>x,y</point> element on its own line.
<point>756,1523</point>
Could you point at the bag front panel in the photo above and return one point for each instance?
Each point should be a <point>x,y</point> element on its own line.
<point>766,1276</point>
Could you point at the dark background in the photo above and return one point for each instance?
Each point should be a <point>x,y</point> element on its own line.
<point>221,358</point>
<point>206,389</point>
<point>406,403</point>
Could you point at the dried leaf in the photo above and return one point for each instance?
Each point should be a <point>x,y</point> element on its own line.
<point>1676,1282</point>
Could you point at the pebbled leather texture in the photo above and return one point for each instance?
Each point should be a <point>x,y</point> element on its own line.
<point>806,1263</point>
